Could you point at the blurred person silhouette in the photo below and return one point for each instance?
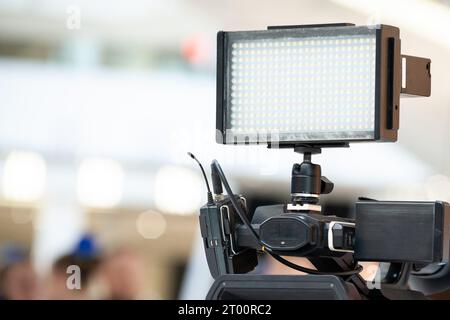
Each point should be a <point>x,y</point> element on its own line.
<point>122,275</point>
<point>18,279</point>
<point>71,274</point>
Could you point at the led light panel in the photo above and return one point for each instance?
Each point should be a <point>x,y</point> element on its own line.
<point>310,86</point>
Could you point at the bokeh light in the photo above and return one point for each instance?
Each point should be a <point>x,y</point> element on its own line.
<point>24,176</point>
<point>100,182</point>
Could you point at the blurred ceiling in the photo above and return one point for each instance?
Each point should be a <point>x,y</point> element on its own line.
<point>156,24</point>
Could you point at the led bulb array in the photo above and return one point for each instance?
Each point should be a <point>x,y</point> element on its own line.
<point>311,85</point>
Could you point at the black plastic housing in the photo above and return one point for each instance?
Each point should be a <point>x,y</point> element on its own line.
<point>217,223</point>
<point>395,231</point>
<point>270,287</point>
<point>295,233</point>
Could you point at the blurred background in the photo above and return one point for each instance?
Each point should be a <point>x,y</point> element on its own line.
<point>99,103</point>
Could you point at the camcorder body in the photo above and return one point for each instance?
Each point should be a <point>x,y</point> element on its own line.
<point>410,238</point>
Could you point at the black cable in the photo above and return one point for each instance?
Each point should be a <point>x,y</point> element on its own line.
<point>277,257</point>
<point>292,265</point>
<point>210,197</point>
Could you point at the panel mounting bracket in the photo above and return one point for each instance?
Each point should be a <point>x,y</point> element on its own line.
<point>416,76</point>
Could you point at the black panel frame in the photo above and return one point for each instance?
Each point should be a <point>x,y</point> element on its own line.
<point>381,130</point>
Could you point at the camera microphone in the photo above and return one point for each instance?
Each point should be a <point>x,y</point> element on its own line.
<point>209,194</point>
